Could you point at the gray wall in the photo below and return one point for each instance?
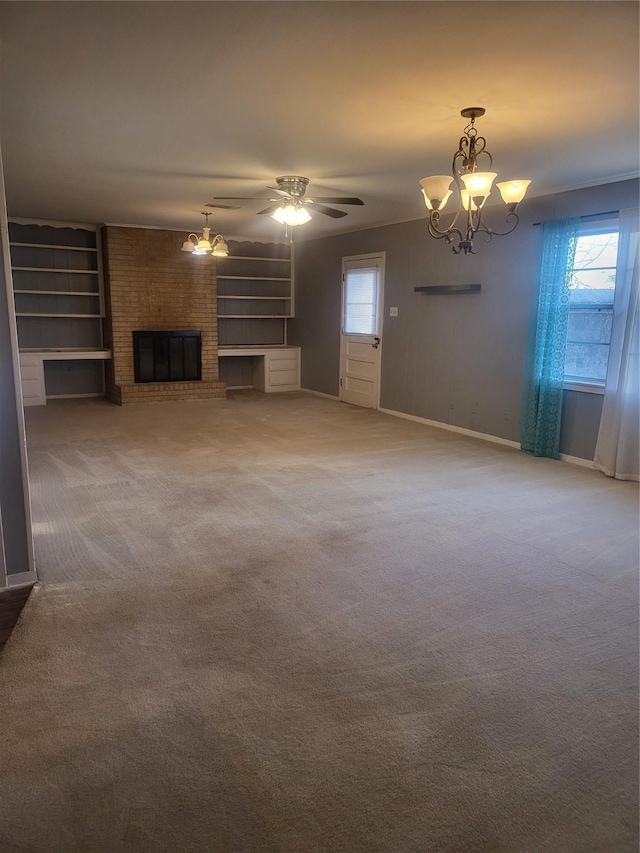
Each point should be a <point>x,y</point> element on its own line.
<point>456,359</point>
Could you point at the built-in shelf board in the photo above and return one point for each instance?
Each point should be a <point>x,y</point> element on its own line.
<point>254,278</point>
<point>49,246</point>
<point>246,258</point>
<point>442,289</point>
<point>255,316</point>
<point>93,293</point>
<point>274,298</point>
<point>48,269</point>
<point>31,314</point>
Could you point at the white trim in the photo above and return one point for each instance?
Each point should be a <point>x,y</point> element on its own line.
<point>630,176</point>
<point>21,579</point>
<point>577,460</point>
<point>53,246</point>
<point>322,394</point>
<point>239,387</point>
<point>584,387</point>
<point>485,436</point>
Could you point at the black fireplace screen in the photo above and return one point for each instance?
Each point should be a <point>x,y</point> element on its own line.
<point>167,356</point>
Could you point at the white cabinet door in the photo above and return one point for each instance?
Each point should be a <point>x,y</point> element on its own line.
<point>282,370</point>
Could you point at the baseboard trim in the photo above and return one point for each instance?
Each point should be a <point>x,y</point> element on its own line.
<point>483,436</point>
<point>494,439</point>
<point>320,394</point>
<point>577,460</point>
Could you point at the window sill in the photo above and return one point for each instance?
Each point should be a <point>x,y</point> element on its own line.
<point>585,387</point>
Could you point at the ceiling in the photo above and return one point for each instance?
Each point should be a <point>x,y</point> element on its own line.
<point>139,113</point>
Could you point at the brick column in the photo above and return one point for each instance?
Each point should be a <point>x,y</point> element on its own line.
<point>150,285</point>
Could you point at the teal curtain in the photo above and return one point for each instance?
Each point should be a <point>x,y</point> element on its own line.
<point>544,378</point>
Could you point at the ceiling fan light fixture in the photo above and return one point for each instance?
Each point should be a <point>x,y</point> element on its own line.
<point>291,214</point>
<point>474,187</point>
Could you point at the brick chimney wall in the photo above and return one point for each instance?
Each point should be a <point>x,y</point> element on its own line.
<point>150,285</point>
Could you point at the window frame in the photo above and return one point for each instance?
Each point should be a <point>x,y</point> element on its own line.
<point>608,225</point>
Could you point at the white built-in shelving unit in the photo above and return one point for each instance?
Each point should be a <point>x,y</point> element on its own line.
<point>59,302</point>
<point>255,299</point>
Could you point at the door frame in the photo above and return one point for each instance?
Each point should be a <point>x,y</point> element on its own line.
<point>379,256</point>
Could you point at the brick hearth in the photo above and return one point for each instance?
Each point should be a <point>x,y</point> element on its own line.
<point>150,285</point>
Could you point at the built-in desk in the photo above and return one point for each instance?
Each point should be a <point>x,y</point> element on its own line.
<point>275,368</point>
<point>32,362</point>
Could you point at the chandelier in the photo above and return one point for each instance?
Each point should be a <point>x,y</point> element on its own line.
<point>474,188</point>
<point>204,245</point>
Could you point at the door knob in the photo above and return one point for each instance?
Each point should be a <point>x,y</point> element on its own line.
<point>376,342</point>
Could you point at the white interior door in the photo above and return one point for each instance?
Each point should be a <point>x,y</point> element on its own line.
<point>361,330</point>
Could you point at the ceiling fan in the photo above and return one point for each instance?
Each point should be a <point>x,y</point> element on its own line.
<point>292,206</point>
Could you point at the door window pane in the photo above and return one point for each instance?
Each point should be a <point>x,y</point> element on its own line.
<point>361,302</point>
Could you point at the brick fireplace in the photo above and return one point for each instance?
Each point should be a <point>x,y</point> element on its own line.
<point>150,285</point>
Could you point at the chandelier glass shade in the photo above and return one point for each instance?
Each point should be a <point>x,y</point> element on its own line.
<point>473,189</point>
<point>205,245</point>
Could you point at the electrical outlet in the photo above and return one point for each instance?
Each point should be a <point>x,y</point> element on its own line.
<point>393,312</point>
<point>506,414</point>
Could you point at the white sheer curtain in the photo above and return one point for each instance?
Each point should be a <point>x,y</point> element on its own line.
<point>618,447</point>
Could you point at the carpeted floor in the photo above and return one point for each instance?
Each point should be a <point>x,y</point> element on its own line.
<point>284,625</point>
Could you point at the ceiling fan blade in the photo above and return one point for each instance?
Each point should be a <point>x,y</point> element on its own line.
<point>270,209</point>
<point>239,198</point>
<point>282,192</point>
<point>328,211</point>
<point>339,200</point>
<point>223,206</point>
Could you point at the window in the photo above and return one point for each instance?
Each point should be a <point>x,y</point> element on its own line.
<point>592,286</point>
<point>361,301</point>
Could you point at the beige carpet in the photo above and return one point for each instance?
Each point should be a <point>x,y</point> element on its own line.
<point>287,625</point>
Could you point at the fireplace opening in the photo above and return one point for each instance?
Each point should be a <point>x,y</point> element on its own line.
<point>167,356</point>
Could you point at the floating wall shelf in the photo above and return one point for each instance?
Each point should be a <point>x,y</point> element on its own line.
<point>441,289</point>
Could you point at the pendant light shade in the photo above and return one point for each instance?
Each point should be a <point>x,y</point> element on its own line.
<point>435,190</point>
<point>220,248</point>
<point>513,192</point>
<point>478,185</point>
